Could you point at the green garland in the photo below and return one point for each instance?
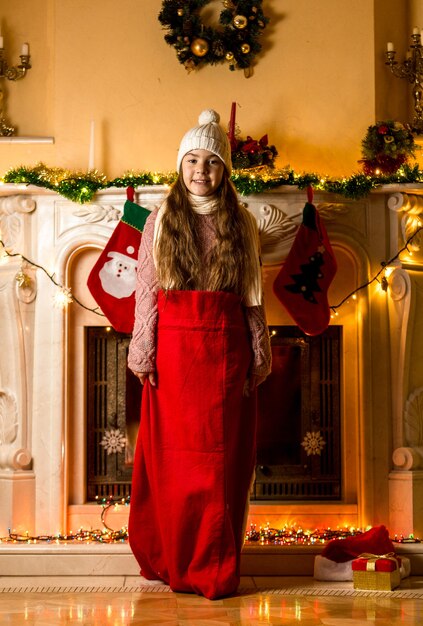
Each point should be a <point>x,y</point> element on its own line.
<point>81,187</point>
<point>236,41</point>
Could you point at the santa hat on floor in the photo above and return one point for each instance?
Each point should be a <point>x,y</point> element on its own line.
<point>374,541</point>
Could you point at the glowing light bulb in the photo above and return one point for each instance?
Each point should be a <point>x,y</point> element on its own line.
<point>62,298</point>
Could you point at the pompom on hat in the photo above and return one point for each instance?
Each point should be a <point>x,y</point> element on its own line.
<point>208,135</point>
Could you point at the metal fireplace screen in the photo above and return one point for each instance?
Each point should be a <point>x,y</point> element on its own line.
<point>298,439</point>
<point>299,431</point>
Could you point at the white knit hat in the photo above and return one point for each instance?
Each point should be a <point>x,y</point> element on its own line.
<point>209,135</point>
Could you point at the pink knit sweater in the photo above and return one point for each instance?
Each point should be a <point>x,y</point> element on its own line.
<point>142,348</point>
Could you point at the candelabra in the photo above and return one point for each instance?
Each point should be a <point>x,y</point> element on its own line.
<point>15,72</point>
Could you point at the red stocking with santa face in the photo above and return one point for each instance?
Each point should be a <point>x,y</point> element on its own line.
<point>112,280</point>
<point>304,279</point>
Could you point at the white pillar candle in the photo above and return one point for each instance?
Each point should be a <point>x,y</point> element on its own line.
<point>25,49</point>
<point>91,151</point>
<point>416,31</point>
<point>1,42</point>
<point>390,46</point>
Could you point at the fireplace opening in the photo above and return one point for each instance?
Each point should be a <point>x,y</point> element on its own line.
<point>299,425</point>
<point>114,396</point>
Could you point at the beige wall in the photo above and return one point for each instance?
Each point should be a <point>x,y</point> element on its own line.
<point>319,84</point>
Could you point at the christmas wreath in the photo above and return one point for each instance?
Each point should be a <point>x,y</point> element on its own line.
<point>386,147</point>
<point>236,41</point>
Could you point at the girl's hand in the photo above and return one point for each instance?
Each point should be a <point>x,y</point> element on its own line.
<point>143,376</point>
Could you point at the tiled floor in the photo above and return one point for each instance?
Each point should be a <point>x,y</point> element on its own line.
<point>277,601</point>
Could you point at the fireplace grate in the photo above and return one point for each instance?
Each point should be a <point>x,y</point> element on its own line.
<point>113,408</point>
<point>295,490</point>
<point>299,425</point>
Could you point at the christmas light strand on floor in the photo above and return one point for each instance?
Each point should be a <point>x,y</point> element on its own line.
<point>291,535</point>
<point>383,280</point>
<point>105,535</point>
<point>263,536</point>
<point>64,295</point>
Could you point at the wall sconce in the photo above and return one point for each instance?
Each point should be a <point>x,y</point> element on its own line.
<point>15,72</point>
<point>412,70</point>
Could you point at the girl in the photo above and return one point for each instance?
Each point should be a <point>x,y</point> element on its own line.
<point>200,346</point>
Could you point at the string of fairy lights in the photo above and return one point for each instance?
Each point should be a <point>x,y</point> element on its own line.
<point>64,296</point>
<point>262,535</point>
<point>380,276</point>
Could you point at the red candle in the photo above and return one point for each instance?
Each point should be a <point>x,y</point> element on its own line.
<point>231,132</point>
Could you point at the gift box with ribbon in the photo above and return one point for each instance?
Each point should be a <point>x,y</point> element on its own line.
<point>379,572</point>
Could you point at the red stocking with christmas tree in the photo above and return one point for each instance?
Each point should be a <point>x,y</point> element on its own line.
<point>112,280</point>
<point>304,279</point>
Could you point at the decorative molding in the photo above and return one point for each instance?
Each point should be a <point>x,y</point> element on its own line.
<point>92,213</point>
<point>413,418</point>
<point>399,308</point>
<point>408,458</point>
<point>412,207</point>
<point>10,219</point>
<point>330,210</point>
<point>26,291</point>
<point>399,284</point>
<point>277,231</point>
<point>8,418</point>
<point>17,204</point>
<point>20,459</point>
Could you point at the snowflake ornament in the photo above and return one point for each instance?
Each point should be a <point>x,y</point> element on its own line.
<point>313,443</point>
<point>113,441</point>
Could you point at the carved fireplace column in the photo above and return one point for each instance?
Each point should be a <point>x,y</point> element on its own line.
<point>406,336</point>
<point>17,291</point>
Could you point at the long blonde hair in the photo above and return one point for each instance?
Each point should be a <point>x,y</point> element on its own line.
<point>229,266</point>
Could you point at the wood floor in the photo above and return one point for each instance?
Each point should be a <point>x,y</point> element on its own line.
<point>273,601</point>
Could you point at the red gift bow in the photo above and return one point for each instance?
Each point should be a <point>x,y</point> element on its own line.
<point>252,145</point>
<point>372,558</point>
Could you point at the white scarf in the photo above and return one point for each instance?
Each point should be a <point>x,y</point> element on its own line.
<point>204,205</point>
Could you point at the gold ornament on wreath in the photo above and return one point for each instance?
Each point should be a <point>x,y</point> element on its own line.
<point>235,39</point>
<point>199,47</point>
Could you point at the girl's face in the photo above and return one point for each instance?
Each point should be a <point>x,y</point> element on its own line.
<point>202,172</point>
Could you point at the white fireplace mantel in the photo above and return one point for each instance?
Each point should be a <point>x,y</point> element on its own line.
<point>381,362</point>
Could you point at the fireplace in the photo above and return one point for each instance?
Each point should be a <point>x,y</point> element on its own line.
<point>298,436</point>
<point>356,404</point>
